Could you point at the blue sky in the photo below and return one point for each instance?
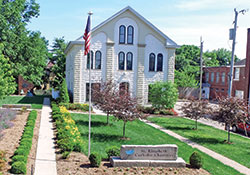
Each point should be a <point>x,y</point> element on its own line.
<point>184,21</point>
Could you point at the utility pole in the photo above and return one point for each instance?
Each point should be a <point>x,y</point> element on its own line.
<point>201,53</point>
<point>233,49</point>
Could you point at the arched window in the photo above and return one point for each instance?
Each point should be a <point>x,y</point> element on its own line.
<point>130,34</point>
<point>121,60</point>
<point>98,59</point>
<point>152,62</point>
<point>159,62</point>
<point>129,61</point>
<point>122,34</point>
<point>88,59</point>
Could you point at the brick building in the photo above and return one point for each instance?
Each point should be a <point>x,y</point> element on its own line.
<point>218,77</point>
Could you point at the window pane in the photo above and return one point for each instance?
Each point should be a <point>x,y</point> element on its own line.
<point>121,58</point>
<point>223,77</point>
<point>207,76</point>
<point>130,35</point>
<point>91,52</point>
<point>122,33</point>
<point>98,59</point>
<point>237,73</point>
<point>159,62</point>
<point>212,77</point>
<point>129,61</point>
<point>217,77</point>
<point>152,62</point>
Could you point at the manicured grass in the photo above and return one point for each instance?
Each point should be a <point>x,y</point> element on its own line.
<point>36,101</point>
<point>103,136</point>
<point>209,137</point>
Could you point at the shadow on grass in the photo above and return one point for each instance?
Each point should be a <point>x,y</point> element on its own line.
<point>178,128</point>
<point>103,137</point>
<point>202,140</point>
<point>93,123</point>
<point>31,100</point>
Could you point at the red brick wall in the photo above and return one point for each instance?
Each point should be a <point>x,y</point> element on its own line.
<point>24,85</point>
<point>220,89</point>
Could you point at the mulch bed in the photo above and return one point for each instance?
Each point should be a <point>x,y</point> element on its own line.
<point>78,164</point>
<point>10,140</point>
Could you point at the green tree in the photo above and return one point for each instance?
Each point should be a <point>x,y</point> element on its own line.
<point>7,82</point>
<point>224,56</point>
<point>163,95</point>
<point>26,50</point>
<point>64,96</point>
<point>185,79</point>
<point>59,58</point>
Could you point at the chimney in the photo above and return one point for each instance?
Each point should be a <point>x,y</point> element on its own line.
<point>247,67</point>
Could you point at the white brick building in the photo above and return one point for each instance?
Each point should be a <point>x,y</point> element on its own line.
<point>125,48</point>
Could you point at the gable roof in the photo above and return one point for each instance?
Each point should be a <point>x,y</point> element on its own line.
<point>169,42</point>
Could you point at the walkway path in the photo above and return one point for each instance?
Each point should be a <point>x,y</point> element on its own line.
<point>45,155</point>
<point>225,160</point>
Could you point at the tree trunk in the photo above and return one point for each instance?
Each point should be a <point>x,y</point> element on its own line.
<point>228,136</point>
<point>107,118</point>
<point>196,124</point>
<point>124,125</point>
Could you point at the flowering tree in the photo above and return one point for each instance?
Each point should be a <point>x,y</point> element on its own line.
<point>231,111</point>
<point>116,101</point>
<point>126,108</point>
<point>196,109</point>
<point>104,97</point>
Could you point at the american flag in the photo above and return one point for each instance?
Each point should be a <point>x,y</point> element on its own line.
<point>86,37</point>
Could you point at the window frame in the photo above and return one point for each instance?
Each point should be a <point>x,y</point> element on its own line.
<point>159,68</point>
<point>120,34</point>
<point>217,77</point>
<point>129,53</point>
<point>119,68</point>
<point>100,65</point>
<point>212,77</point>
<point>237,73</point>
<point>130,35</point>
<point>153,62</point>
<point>90,55</point>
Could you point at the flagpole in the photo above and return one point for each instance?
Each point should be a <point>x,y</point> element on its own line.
<point>90,63</point>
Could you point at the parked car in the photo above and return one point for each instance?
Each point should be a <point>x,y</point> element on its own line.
<point>240,127</point>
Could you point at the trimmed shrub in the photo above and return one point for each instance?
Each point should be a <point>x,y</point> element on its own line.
<point>113,151</point>
<point>19,158</point>
<point>21,151</point>
<point>95,159</point>
<point>18,167</point>
<point>195,160</point>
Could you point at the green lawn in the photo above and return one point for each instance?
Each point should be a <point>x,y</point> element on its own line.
<point>139,133</point>
<point>209,137</point>
<point>36,101</point>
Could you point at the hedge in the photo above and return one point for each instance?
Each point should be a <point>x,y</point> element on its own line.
<point>19,160</point>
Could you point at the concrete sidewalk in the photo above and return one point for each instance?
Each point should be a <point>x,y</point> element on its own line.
<point>45,156</point>
<point>223,159</point>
